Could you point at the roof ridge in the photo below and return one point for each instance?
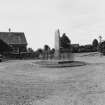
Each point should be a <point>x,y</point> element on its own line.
<point>13,37</point>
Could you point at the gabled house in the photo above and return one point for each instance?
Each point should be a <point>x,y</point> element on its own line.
<point>14,41</point>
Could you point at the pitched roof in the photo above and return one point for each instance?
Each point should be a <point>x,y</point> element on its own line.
<point>13,37</point>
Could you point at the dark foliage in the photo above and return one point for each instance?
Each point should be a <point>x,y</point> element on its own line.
<point>75,49</point>
<point>102,48</point>
<point>52,51</point>
<point>30,50</point>
<point>46,47</point>
<point>38,52</point>
<point>86,48</point>
<point>95,44</point>
<point>65,41</point>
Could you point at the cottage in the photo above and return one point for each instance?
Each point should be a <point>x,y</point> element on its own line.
<point>14,42</point>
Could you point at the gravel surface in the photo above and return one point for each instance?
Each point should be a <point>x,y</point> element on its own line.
<point>25,83</point>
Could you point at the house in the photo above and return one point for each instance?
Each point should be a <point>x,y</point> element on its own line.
<point>14,42</point>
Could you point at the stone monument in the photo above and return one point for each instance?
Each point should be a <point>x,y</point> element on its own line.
<point>57,44</point>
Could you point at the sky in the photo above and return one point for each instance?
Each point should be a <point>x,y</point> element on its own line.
<point>81,20</point>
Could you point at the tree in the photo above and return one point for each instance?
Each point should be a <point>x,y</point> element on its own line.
<point>95,43</point>
<point>39,51</point>
<point>65,41</point>
<point>52,51</point>
<point>30,50</point>
<point>46,51</point>
<point>102,47</point>
<point>46,48</point>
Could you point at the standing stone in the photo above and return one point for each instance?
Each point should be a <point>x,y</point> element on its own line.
<point>57,44</point>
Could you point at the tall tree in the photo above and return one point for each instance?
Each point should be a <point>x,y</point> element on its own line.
<point>65,41</point>
<point>95,43</point>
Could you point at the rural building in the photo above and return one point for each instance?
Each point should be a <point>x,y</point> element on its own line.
<point>14,42</point>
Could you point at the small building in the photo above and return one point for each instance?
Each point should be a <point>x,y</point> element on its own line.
<point>14,42</point>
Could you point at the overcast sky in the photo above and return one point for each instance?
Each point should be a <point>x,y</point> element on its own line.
<point>82,20</point>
